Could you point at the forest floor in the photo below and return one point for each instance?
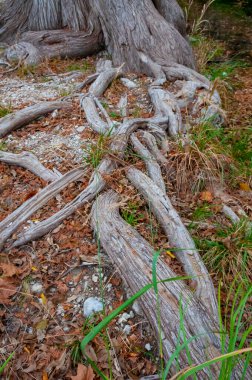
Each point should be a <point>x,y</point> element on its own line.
<point>44,283</point>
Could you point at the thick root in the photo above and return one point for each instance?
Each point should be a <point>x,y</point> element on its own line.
<point>18,119</point>
<point>29,161</point>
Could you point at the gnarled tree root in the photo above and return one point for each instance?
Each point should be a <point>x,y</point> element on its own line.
<point>10,224</point>
<point>179,238</point>
<point>133,256</point>
<point>29,161</point>
<point>20,118</point>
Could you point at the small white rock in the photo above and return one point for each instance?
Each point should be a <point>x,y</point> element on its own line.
<point>95,278</point>
<point>80,129</point>
<point>127,329</point>
<point>92,305</point>
<point>148,347</point>
<point>55,114</point>
<point>37,288</point>
<point>137,309</point>
<point>125,316</point>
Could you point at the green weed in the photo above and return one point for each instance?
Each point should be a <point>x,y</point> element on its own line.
<point>5,110</point>
<point>3,146</point>
<point>94,152</point>
<point>3,366</point>
<point>223,70</point>
<point>114,115</point>
<point>83,66</point>
<point>131,214</point>
<point>228,253</point>
<point>202,212</point>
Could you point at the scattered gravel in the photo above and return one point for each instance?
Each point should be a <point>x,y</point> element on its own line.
<point>15,92</point>
<point>125,317</point>
<point>44,146</point>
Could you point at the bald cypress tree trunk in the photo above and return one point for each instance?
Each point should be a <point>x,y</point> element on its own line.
<point>142,35</point>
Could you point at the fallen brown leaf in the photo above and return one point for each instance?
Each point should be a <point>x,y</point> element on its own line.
<point>7,289</point>
<point>8,269</point>
<point>84,373</point>
<point>206,196</point>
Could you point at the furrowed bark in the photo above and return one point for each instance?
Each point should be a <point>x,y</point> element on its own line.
<point>179,238</point>
<point>133,256</point>
<point>172,12</point>
<point>138,29</point>
<point>20,118</point>
<point>64,43</point>
<point>152,165</point>
<point>166,105</point>
<point>11,223</point>
<point>29,161</point>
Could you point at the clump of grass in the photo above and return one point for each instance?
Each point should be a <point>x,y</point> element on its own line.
<point>80,66</point>
<point>65,92</point>
<point>198,23</point>
<point>206,51</point>
<point>211,154</point>
<point>228,253</point>
<point>223,70</point>
<point>131,214</point>
<point>5,110</point>
<point>202,212</point>
<point>95,151</point>
<point>201,157</point>
<point>24,71</point>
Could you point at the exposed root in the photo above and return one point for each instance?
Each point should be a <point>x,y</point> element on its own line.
<point>29,161</point>
<point>152,165</point>
<point>151,143</point>
<point>20,118</point>
<point>11,223</point>
<point>166,105</point>
<point>133,255</point>
<point>179,238</point>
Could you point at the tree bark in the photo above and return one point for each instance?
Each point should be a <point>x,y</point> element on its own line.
<point>134,31</point>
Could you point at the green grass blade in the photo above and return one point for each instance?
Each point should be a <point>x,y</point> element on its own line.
<point>154,271</point>
<point>104,323</point>
<point>6,362</point>
<point>97,329</point>
<point>176,354</point>
<point>204,365</point>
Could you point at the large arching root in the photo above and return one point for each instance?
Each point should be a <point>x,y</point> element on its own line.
<point>133,256</point>
<point>130,253</point>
